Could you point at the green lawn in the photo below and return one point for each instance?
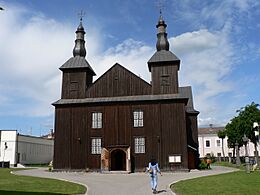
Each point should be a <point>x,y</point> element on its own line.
<point>237,183</point>
<point>16,184</point>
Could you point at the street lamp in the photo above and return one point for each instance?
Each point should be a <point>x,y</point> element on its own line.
<point>245,140</point>
<point>256,131</point>
<point>5,148</point>
<point>238,162</point>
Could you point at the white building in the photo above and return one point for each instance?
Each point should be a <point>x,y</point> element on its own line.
<point>210,143</point>
<point>24,149</point>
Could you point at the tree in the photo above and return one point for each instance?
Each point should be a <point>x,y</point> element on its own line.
<point>248,115</point>
<point>222,135</point>
<point>234,136</point>
<point>243,124</point>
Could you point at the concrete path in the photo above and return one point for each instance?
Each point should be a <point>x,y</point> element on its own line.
<point>123,184</point>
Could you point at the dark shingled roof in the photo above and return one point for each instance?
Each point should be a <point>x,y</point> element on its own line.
<point>122,99</point>
<point>77,62</point>
<point>163,56</point>
<point>185,93</point>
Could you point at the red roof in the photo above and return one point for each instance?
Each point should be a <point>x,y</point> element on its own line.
<point>210,130</point>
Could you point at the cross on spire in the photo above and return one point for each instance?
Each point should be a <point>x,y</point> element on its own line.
<point>160,5</point>
<point>81,15</point>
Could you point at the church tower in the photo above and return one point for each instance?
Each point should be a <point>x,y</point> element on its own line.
<point>77,73</point>
<point>164,65</point>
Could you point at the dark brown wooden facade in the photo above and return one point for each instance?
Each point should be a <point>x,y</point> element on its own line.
<point>169,120</point>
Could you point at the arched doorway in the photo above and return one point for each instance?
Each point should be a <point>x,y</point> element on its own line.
<point>118,160</point>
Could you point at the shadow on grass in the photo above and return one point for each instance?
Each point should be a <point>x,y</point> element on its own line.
<point>27,193</point>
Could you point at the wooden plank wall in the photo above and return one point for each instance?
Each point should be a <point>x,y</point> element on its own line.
<point>165,79</point>
<point>118,81</point>
<point>174,137</point>
<point>73,85</point>
<point>192,138</point>
<point>164,131</point>
<point>62,139</point>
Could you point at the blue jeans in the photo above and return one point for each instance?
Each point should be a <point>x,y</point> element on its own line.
<point>154,180</point>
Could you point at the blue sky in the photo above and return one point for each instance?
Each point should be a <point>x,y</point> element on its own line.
<point>217,41</point>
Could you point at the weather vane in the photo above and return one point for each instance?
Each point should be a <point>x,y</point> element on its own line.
<point>81,14</point>
<point>160,5</point>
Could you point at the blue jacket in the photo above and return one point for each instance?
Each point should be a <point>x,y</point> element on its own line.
<point>155,168</point>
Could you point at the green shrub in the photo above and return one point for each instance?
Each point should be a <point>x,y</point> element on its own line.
<point>203,164</point>
<point>211,157</point>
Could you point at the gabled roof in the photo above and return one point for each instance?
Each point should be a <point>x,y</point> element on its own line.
<point>77,62</point>
<point>210,130</point>
<point>120,66</point>
<point>118,81</point>
<point>163,56</point>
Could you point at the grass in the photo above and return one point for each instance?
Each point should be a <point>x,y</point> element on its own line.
<point>16,184</point>
<point>228,164</point>
<point>235,183</point>
<point>36,165</point>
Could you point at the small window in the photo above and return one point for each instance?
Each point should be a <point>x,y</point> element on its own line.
<point>207,143</point>
<point>138,118</point>
<point>218,143</point>
<point>96,146</point>
<point>165,80</point>
<point>219,154</point>
<point>97,120</point>
<point>140,145</point>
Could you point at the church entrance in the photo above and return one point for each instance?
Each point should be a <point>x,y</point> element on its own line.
<point>118,160</point>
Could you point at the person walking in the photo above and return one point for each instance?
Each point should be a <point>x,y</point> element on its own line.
<point>153,169</point>
<point>208,163</point>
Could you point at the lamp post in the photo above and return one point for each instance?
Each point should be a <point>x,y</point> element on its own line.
<point>245,140</point>
<point>256,131</point>
<point>238,162</point>
<point>5,148</point>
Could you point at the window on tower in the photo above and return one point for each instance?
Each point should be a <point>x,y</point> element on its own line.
<point>165,80</point>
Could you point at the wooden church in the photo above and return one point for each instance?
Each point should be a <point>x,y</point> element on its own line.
<point>119,122</point>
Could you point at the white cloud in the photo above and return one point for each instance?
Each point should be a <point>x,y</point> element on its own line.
<point>34,51</point>
<point>207,60</point>
<point>30,53</point>
<point>131,54</point>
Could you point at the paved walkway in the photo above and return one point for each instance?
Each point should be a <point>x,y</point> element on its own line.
<point>123,184</point>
